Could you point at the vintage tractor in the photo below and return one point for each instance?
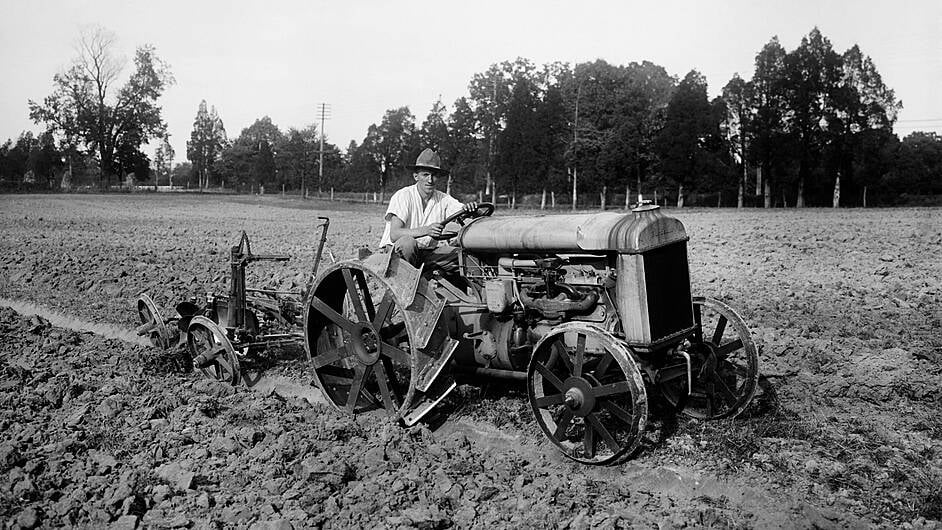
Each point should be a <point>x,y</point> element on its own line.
<point>233,327</point>
<point>592,311</point>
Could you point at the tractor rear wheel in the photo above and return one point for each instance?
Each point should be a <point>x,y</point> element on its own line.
<point>587,394</point>
<point>358,342</point>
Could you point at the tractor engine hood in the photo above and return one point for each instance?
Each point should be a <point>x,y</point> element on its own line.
<point>645,228</point>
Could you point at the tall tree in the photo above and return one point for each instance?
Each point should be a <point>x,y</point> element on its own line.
<point>360,171</point>
<point>517,144</point>
<point>684,143</point>
<point>917,169</point>
<point>489,93</point>
<point>735,127</point>
<point>862,110</point>
<point>250,159</point>
<point>298,158</point>
<point>207,141</point>
<point>769,144</point>
<point>550,145</point>
<point>434,131</point>
<point>44,160</point>
<point>813,71</point>
<point>86,106</point>
<point>163,161</point>
<point>462,152</point>
<point>390,144</point>
<point>615,113</point>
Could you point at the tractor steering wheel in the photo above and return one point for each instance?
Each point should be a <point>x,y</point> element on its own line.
<point>484,209</point>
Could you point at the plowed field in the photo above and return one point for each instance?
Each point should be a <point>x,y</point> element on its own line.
<point>846,431</point>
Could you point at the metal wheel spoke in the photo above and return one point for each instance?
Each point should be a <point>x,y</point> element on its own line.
<point>330,357</point>
<point>709,390</point>
<point>723,351</point>
<point>553,399</point>
<point>593,421</point>
<point>617,411</point>
<point>720,328</point>
<point>549,376</point>
<point>336,375</point>
<point>391,375</point>
<point>560,352</point>
<point>332,315</point>
<point>580,355</point>
<point>357,387</point>
<point>367,298</point>
<point>213,353</point>
<point>354,296</point>
<point>603,365</point>
<point>728,395</point>
<point>385,308</point>
<point>563,424</point>
<point>225,367</point>
<point>384,388</point>
<point>394,353</point>
<point>621,387</point>
<point>588,442</point>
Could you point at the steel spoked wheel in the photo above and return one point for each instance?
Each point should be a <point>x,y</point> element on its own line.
<point>724,364</point>
<point>211,351</point>
<point>152,324</point>
<point>587,394</point>
<point>358,342</point>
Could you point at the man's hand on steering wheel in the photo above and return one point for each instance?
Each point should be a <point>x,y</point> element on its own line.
<point>471,210</point>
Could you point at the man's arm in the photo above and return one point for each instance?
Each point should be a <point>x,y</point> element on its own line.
<point>397,229</point>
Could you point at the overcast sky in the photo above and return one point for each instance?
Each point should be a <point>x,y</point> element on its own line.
<point>282,58</point>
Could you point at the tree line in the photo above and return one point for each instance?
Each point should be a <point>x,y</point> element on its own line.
<point>813,126</point>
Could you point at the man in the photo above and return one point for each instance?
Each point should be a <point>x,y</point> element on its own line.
<point>415,214</point>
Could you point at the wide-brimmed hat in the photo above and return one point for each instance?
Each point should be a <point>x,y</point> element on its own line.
<point>429,159</point>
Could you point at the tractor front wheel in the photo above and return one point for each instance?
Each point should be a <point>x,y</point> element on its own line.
<point>587,394</point>
<point>724,365</point>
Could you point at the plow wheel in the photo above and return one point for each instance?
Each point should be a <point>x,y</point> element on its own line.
<point>211,351</point>
<point>152,324</point>
<point>724,364</point>
<point>587,394</point>
<point>358,342</point>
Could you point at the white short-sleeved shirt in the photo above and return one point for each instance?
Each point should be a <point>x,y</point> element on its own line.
<point>406,204</point>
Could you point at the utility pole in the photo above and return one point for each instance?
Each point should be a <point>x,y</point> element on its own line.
<point>325,115</point>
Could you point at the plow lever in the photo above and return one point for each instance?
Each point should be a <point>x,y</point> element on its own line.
<point>317,256</point>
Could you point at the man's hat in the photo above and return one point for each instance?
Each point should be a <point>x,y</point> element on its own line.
<point>429,159</point>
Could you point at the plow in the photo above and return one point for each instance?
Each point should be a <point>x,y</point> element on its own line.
<point>593,313</point>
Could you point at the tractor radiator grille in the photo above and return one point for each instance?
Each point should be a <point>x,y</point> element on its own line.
<point>667,282</point>
<point>654,294</point>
